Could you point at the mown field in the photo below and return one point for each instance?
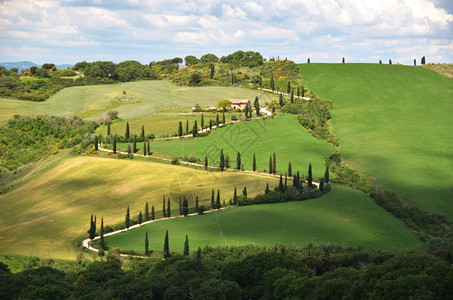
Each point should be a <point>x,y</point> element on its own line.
<point>345,217</point>
<point>395,121</point>
<point>49,209</point>
<point>282,135</point>
<point>90,102</point>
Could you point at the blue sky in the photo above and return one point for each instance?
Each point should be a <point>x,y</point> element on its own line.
<point>69,31</point>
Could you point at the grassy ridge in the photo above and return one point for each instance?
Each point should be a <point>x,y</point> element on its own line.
<point>51,208</point>
<point>344,216</point>
<point>88,102</point>
<point>395,121</point>
<point>282,135</point>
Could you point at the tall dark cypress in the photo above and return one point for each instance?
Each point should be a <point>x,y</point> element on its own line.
<point>202,122</point>
<point>140,218</point>
<point>271,169</point>
<point>187,126</point>
<point>227,161</point>
<point>343,61</point>
<point>423,60</point>
<point>101,238</point>
<point>292,96</point>
<point>146,244</point>
<point>166,246</point>
<point>146,212</point>
<point>212,199</point>
<point>96,142</point>
<point>206,162</point>
<point>266,191</point>
<point>238,161</point>
<point>164,211</point>
<point>128,218</point>
<point>126,134</point>
<point>415,62</point>
<point>235,196</point>
<point>286,180</point>
<point>303,91</point>
<point>310,176</point>
<point>114,144</point>
<point>144,148</point>
<point>185,207</point>
<point>153,215</point>
<point>143,132</point>
<point>298,180</point>
<point>180,129</point>
<point>244,192</point>
<point>210,123</point>
<point>308,60</point>
<point>274,164</point>
<point>298,91</point>
<point>257,106</point>
<point>326,175</point>
<point>321,184</point>
<point>147,148</point>
<point>168,208</point>
<point>195,129</point>
<point>223,117</point>
<point>280,99</point>
<point>254,163</point>
<point>390,61</point>
<point>280,184</point>
<point>222,160</point>
<point>217,202</point>
<point>250,111</point>
<point>290,173</point>
<point>246,111</point>
<point>217,121</point>
<point>180,206</point>
<point>288,88</point>
<point>108,128</point>
<point>212,71</point>
<point>92,231</point>
<point>196,204</point>
<point>186,247</point>
<point>272,83</point>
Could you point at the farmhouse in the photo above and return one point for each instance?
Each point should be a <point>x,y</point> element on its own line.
<point>239,103</point>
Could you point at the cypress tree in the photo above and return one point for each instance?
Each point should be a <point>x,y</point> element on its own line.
<point>96,143</point>
<point>140,218</point>
<point>238,161</point>
<point>199,253</point>
<point>143,132</point>
<point>246,111</point>
<point>423,60</point>
<point>288,88</point>
<point>274,164</point>
<point>187,126</point>
<point>390,61</point>
<point>114,144</point>
<point>146,212</point>
<point>321,184</point>
<point>217,202</point>
<point>280,184</point>
<point>232,79</point>
<point>202,122</point>
<point>227,161</point>
<point>108,128</point>
<point>326,175</point>
<point>290,173</point>
<point>244,192</point>
<point>153,216</point>
<point>164,211</point>
<point>292,96</point>
<point>126,134</point>
<point>206,162</point>
<point>134,148</point>
<point>280,99</point>
<point>195,129</point>
<point>217,122</point>
<point>266,191</point>
<point>180,206</point>
<point>235,196</point>
<point>212,200</point>
<point>298,92</point>
<point>223,117</point>
<point>308,60</point>
<point>212,71</point>
<point>272,82</point>
<point>149,152</point>
<point>298,184</point>
<point>261,81</point>
<point>415,62</point>
<point>222,161</point>
<point>129,148</point>
<point>144,148</point>
<point>186,246</point>
<point>257,106</point>
<point>128,218</point>
<point>168,208</point>
<point>146,244</point>
<point>250,111</point>
<point>166,246</point>
<point>380,62</point>
<point>92,231</point>
<point>303,91</point>
<point>101,238</point>
<point>295,181</point>
<point>196,204</point>
<point>210,123</point>
<point>185,207</point>
<point>343,60</point>
<point>180,129</point>
<point>310,176</point>
<point>254,163</point>
<point>271,169</point>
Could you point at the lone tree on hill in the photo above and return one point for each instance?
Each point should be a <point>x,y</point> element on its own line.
<point>166,246</point>
<point>101,238</point>
<point>222,161</point>
<point>126,134</point>
<point>180,129</point>
<point>140,218</point>
<point>146,212</point>
<point>185,207</point>
<point>128,218</point>
<point>326,175</point>
<point>390,61</point>
<point>153,215</point>
<point>380,61</point>
<point>290,173</point>
<point>308,60</point>
<point>212,199</point>
<point>310,176</point>
<point>343,60</point>
<point>238,161</point>
<point>143,132</point>
<point>114,144</point>
<point>195,129</point>
<point>164,212</point>
<point>108,128</point>
<point>415,62</point>
<point>254,163</point>
<point>186,246</point>
<point>146,244</point>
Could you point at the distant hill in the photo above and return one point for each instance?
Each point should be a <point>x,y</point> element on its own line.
<point>28,64</point>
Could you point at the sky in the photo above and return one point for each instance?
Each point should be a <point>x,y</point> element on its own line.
<point>70,31</point>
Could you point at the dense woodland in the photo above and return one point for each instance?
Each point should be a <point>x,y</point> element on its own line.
<point>248,272</point>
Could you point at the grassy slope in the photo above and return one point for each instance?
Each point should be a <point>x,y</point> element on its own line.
<point>92,101</point>
<point>344,216</point>
<point>396,122</point>
<point>282,135</point>
<point>51,209</point>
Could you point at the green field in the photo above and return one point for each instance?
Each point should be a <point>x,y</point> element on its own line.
<point>50,206</point>
<point>90,102</point>
<point>395,121</point>
<point>283,134</point>
<point>345,217</point>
